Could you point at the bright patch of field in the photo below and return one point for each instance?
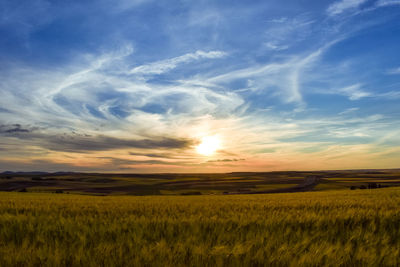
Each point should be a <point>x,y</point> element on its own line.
<point>333,228</point>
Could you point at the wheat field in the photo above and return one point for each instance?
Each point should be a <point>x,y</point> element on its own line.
<point>348,228</point>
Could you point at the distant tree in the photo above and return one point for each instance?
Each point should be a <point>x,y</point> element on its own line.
<point>363,187</point>
<point>23,190</point>
<point>59,191</point>
<point>36,178</point>
<point>353,187</point>
<point>372,186</point>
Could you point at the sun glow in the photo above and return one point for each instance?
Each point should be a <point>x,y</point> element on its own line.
<point>208,146</point>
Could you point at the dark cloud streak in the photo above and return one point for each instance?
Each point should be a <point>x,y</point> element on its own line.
<point>118,161</point>
<point>160,155</point>
<point>82,142</point>
<point>225,160</point>
<point>103,143</point>
<point>13,128</point>
<point>4,110</point>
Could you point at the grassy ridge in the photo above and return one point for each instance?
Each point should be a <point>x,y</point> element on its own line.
<point>317,228</point>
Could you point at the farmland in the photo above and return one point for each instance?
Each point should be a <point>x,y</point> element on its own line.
<point>334,227</point>
<point>196,184</point>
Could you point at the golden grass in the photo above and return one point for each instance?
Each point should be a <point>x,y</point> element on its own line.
<point>349,228</point>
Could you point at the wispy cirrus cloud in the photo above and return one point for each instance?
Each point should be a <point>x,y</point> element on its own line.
<point>283,33</point>
<point>134,94</point>
<point>103,91</point>
<point>381,3</point>
<point>349,110</point>
<point>275,46</point>
<point>170,64</point>
<point>354,92</point>
<point>342,6</point>
<point>393,71</point>
<point>104,103</point>
<point>283,79</point>
<point>125,5</point>
<point>354,7</point>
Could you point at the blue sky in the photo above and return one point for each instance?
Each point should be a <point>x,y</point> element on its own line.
<point>135,86</point>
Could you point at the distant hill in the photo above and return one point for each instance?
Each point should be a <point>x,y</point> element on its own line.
<point>23,173</point>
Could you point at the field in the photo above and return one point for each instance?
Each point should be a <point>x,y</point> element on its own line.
<point>196,184</point>
<point>330,228</point>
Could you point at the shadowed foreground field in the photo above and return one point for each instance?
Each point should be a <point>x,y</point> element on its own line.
<point>347,227</point>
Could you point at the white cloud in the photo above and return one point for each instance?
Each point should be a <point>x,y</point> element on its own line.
<point>124,5</point>
<point>354,92</point>
<point>87,98</point>
<point>275,46</point>
<point>205,17</point>
<point>382,3</point>
<point>283,79</point>
<point>392,95</point>
<point>349,110</point>
<point>341,6</point>
<point>283,33</point>
<point>393,71</point>
<point>169,64</point>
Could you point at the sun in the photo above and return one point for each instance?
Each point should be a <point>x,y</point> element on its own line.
<point>208,146</point>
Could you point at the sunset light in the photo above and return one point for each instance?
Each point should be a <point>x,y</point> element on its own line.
<point>199,133</point>
<point>208,146</point>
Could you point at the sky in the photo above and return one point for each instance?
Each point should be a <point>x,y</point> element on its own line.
<point>139,85</point>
